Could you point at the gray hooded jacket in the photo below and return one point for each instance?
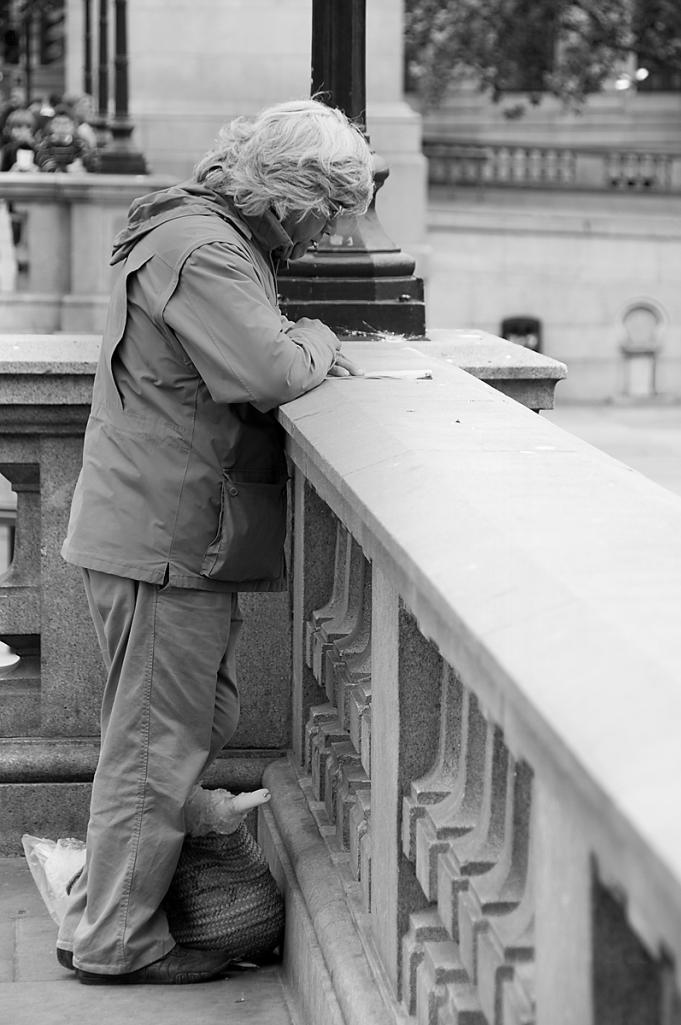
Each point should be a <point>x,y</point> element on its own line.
<point>184,473</point>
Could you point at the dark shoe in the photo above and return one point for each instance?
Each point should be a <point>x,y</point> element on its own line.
<point>65,958</point>
<point>180,966</point>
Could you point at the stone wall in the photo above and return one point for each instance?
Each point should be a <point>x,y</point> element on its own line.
<point>578,261</point>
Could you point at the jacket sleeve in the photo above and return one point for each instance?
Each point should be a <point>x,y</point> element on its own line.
<point>242,347</point>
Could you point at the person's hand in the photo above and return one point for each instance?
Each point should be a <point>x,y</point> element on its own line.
<point>344,367</point>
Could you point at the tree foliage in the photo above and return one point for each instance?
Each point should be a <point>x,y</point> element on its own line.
<point>656,27</point>
<point>565,47</point>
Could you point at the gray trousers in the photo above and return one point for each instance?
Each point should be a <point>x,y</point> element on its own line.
<point>170,703</point>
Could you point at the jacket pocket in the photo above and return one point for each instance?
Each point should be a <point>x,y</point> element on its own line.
<point>249,544</point>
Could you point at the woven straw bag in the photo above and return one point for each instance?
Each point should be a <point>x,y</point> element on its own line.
<point>223,897</point>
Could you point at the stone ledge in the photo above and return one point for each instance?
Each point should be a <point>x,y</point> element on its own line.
<point>326,963</point>
<point>59,368</point>
<point>117,189</point>
<point>74,759</point>
<point>45,784</point>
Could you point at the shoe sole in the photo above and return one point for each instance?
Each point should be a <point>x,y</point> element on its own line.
<point>145,978</point>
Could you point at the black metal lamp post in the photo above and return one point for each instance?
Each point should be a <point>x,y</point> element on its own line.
<point>100,120</point>
<point>118,156</point>
<point>358,281</point>
<point>87,47</point>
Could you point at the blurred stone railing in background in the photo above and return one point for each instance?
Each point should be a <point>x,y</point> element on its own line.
<point>58,277</point>
<point>466,162</point>
<point>478,823</point>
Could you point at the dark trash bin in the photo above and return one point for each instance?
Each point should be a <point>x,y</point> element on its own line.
<point>523,330</point>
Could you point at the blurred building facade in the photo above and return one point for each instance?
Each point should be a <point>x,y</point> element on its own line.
<point>192,67</point>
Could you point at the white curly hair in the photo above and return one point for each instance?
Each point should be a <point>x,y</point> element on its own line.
<point>296,157</point>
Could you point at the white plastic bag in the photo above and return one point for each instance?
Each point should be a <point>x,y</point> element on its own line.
<point>53,864</point>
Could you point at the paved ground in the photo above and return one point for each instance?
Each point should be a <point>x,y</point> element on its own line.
<point>35,990</point>
<point>645,436</point>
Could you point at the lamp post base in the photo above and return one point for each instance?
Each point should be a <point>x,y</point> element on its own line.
<point>357,281</point>
<point>117,156</point>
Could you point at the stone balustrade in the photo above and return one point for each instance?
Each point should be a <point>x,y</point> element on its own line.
<point>466,709</point>
<point>64,224</point>
<point>477,824</point>
<point>459,162</point>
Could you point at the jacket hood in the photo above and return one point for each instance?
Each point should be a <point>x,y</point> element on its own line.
<point>189,200</point>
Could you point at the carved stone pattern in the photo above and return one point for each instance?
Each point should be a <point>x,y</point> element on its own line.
<point>337,648</point>
<point>469,957</point>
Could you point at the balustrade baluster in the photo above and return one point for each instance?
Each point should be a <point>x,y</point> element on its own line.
<point>20,619</point>
<point>331,608</point>
<point>500,890</point>
<point>315,535</point>
<point>424,926</point>
<point>443,991</point>
<point>327,733</point>
<point>439,781</point>
<point>320,715</point>
<point>503,165</point>
<point>344,606</point>
<point>359,843</point>
<point>348,659</point>
<point>506,951</point>
<point>534,171</point>
<point>359,721</point>
<point>458,813</point>
<point>24,570</point>
<point>479,850</point>
<point>664,173</point>
<point>345,779</point>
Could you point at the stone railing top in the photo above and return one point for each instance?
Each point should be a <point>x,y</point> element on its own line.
<point>40,372</point>
<point>73,187</point>
<point>546,572</point>
<point>48,354</point>
<point>481,354</point>
<point>489,357</point>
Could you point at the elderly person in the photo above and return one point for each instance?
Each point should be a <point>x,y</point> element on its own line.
<point>181,501</point>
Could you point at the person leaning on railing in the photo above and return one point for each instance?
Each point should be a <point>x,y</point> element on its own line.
<point>181,500</point>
